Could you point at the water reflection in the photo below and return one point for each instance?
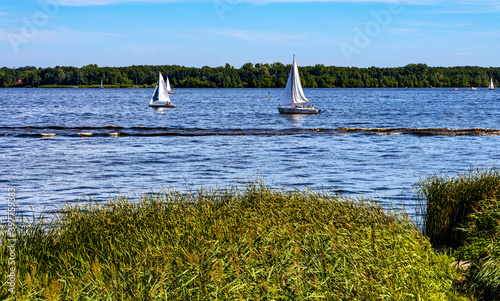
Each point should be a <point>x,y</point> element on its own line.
<point>161,110</point>
<point>294,120</point>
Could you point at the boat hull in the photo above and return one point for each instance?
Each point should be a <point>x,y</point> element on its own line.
<point>162,105</point>
<point>288,110</point>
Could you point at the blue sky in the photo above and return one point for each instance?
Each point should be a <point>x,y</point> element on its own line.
<point>196,33</point>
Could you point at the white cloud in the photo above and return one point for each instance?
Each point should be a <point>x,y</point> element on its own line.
<point>232,2</point>
<point>401,31</point>
<point>106,2</point>
<point>248,35</point>
<point>60,35</point>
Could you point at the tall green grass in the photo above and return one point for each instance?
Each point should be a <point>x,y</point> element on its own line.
<point>463,213</point>
<point>448,201</point>
<point>250,243</point>
<point>482,250</point>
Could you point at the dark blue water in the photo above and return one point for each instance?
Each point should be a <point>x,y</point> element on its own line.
<point>58,145</point>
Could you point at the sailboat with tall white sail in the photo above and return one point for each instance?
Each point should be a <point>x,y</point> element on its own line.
<point>102,87</point>
<point>491,87</point>
<point>160,98</point>
<point>294,101</point>
<point>169,89</point>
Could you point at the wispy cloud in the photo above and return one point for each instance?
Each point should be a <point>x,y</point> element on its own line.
<point>258,2</point>
<point>60,35</point>
<point>107,2</point>
<point>401,31</point>
<point>249,35</point>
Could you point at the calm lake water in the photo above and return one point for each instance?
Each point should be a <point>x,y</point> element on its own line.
<point>108,141</point>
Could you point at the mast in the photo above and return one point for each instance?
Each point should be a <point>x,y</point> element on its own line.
<point>293,75</point>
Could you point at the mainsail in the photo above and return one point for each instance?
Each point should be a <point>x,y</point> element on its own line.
<point>168,86</point>
<point>491,87</point>
<point>160,94</point>
<point>293,93</point>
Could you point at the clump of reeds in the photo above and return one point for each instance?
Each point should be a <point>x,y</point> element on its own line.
<point>482,250</point>
<point>250,243</point>
<point>447,202</point>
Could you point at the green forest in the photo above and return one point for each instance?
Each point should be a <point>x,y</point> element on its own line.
<point>250,76</point>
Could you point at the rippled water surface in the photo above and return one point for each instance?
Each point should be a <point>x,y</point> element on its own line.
<point>65,144</point>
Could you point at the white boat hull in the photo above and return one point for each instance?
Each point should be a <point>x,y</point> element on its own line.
<point>291,110</point>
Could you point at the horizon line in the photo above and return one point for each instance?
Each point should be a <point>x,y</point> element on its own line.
<point>175,65</point>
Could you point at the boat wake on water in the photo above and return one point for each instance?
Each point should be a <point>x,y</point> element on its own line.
<point>117,131</point>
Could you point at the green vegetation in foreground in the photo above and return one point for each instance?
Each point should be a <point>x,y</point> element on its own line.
<point>251,76</point>
<point>463,213</point>
<point>250,243</point>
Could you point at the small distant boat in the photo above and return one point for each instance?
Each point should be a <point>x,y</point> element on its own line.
<point>293,99</point>
<point>473,88</point>
<point>169,89</point>
<point>74,87</point>
<point>455,89</point>
<point>102,87</point>
<point>491,87</point>
<point>160,98</point>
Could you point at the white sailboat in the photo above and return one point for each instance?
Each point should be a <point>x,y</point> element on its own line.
<point>294,101</point>
<point>491,87</point>
<point>160,98</point>
<point>169,89</point>
<point>102,87</point>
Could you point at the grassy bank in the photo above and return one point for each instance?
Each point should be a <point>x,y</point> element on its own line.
<point>462,213</point>
<point>250,243</point>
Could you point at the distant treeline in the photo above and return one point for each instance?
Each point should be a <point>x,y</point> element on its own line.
<point>251,76</point>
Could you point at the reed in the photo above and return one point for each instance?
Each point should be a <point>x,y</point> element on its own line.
<point>447,202</point>
<point>248,243</point>
<point>482,250</point>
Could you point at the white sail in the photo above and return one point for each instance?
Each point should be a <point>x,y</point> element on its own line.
<point>293,93</point>
<point>160,94</point>
<point>168,85</point>
<point>491,87</point>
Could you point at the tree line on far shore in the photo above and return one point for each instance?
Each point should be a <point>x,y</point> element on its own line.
<point>251,76</point>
